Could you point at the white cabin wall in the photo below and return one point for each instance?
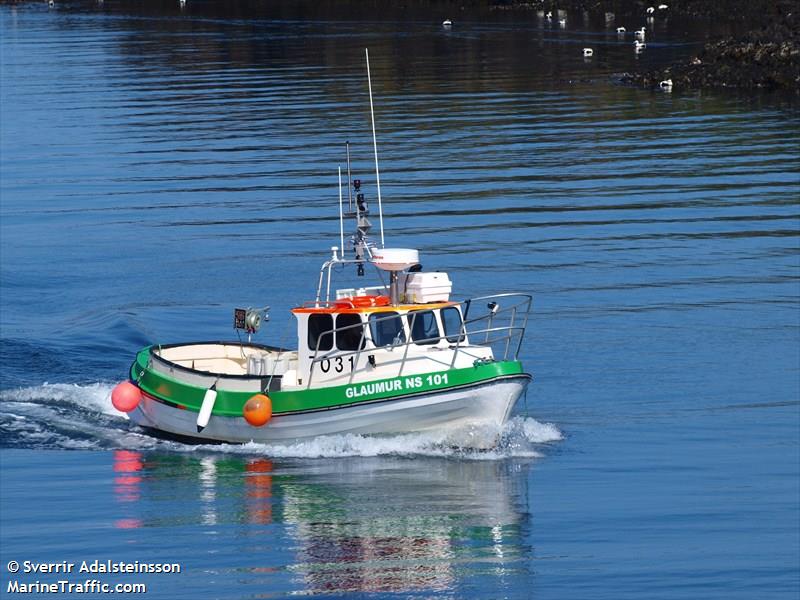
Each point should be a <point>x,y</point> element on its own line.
<point>303,360</point>
<point>340,364</point>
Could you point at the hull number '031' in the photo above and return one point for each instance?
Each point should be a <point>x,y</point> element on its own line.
<point>336,364</point>
<point>396,385</point>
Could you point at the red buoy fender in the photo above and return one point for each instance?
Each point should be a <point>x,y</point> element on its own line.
<point>126,397</point>
<point>257,410</point>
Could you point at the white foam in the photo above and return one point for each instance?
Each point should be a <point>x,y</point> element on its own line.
<point>534,431</point>
<point>517,438</point>
<point>94,395</point>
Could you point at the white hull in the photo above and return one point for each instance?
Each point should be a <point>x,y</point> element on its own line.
<point>481,405</point>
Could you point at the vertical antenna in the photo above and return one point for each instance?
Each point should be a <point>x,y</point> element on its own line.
<point>341,217</point>
<point>349,182</point>
<point>375,148</point>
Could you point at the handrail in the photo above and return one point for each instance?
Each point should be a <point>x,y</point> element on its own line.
<point>337,260</point>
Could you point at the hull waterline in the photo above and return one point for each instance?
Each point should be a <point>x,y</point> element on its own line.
<point>483,404</point>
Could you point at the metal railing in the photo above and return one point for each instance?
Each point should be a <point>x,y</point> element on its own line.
<point>509,317</point>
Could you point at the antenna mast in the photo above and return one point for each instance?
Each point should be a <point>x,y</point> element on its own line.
<point>341,217</point>
<point>349,181</point>
<point>375,148</point>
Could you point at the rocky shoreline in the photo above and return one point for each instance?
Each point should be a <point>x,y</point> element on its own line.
<point>767,56</point>
<point>763,58</point>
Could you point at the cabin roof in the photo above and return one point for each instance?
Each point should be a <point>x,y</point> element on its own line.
<point>369,309</point>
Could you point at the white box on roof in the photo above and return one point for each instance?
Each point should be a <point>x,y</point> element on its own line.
<point>421,288</point>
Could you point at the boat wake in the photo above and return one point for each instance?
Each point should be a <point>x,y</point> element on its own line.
<point>75,417</point>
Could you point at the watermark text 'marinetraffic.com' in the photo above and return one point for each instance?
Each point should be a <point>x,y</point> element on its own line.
<point>90,586</point>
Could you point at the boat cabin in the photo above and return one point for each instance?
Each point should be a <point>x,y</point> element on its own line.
<point>369,336</point>
<point>406,328</point>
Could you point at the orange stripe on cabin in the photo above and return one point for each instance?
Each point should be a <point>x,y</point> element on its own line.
<point>370,309</point>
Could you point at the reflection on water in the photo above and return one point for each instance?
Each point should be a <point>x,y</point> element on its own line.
<point>127,467</point>
<point>347,525</point>
<point>259,491</point>
<point>127,481</point>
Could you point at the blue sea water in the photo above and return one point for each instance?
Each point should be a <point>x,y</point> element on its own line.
<point>159,166</point>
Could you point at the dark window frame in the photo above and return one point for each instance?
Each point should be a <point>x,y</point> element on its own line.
<point>414,318</point>
<point>385,318</point>
<point>454,337</point>
<point>352,330</point>
<point>315,333</point>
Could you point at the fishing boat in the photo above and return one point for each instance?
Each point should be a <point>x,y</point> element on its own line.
<point>400,356</point>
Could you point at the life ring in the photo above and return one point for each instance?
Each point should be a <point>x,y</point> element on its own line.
<point>363,302</point>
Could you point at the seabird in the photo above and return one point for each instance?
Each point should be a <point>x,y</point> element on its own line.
<point>588,52</point>
<point>447,23</point>
<point>639,33</point>
<point>639,46</point>
<point>662,7</point>
<point>666,84</point>
<point>620,30</point>
<point>650,10</point>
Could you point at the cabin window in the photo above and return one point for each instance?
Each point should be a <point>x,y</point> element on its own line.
<point>386,329</point>
<point>351,338</point>
<point>320,331</point>
<point>451,320</point>
<point>424,329</point>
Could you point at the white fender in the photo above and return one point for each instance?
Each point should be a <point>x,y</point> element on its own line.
<point>205,409</point>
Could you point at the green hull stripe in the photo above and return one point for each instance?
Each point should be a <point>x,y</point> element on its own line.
<point>230,403</point>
